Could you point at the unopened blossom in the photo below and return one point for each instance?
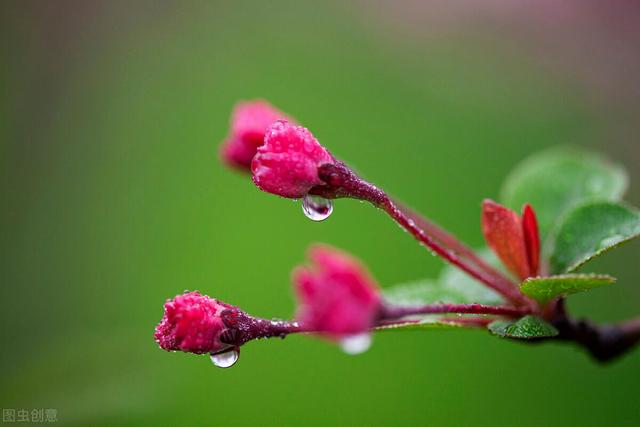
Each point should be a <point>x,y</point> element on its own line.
<point>249,122</point>
<point>336,294</point>
<point>288,161</point>
<point>513,238</point>
<point>192,323</point>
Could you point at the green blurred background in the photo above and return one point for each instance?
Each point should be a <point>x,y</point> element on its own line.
<point>113,199</point>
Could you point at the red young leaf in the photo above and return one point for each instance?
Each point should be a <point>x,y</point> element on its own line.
<point>503,231</point>
<point>531,238</point>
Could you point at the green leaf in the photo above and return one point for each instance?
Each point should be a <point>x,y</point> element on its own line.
<point>527,328</point>
<point>419,292</point>
<point>429,292</point>
<point>590,230</point>
<point>556,180</point>
<point>422,324</point>
<point>544,289</point>
<point>468,289</point>
<point>452,287</point>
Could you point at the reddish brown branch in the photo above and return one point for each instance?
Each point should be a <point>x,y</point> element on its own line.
<point>604,342</point>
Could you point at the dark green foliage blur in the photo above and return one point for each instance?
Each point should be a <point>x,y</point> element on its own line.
<point>113,200</point>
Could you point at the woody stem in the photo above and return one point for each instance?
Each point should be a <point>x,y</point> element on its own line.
<point>603,342</point>
<point>449,240</point>
<point>495,282</point>
<point>343,182</point>
<point>247,328</point>
<point>469,322</point>
<point>397,311</point>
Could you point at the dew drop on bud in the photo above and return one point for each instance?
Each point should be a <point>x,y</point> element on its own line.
<point>316,208</point>
<point>356,344</point>
<point>226,358</point>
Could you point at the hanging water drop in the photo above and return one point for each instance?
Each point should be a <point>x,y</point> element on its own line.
<point>226,358</point>
<point>316,208</point>
<point>356,344</point>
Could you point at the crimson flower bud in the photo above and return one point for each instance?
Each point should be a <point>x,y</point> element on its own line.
<point>287,164</point>
<point>337,295</point>
<point>514,239</point>
<point>249,122</point>
<point>193,323</point>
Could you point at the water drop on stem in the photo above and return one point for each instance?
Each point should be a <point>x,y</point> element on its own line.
<point>356,344</point>
<point>226,358</point>
<point>316,208</point>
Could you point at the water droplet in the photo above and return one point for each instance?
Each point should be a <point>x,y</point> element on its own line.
<point>226,358</point>
<point>356,344</point>
<point>316,208</point>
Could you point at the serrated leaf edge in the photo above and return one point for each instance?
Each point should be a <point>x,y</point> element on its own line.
<point>584,260</point>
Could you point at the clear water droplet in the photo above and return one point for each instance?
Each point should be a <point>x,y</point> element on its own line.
<point>356,344</point>
<point>226,358</point>
<point>316,208</point>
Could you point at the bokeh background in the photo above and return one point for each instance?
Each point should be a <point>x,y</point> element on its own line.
<point>113,199</point>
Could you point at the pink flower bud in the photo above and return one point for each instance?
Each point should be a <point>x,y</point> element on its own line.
<point>287,164</point>
<point>249,122</point>
<point>336,295</point>
<point>192,323</point>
